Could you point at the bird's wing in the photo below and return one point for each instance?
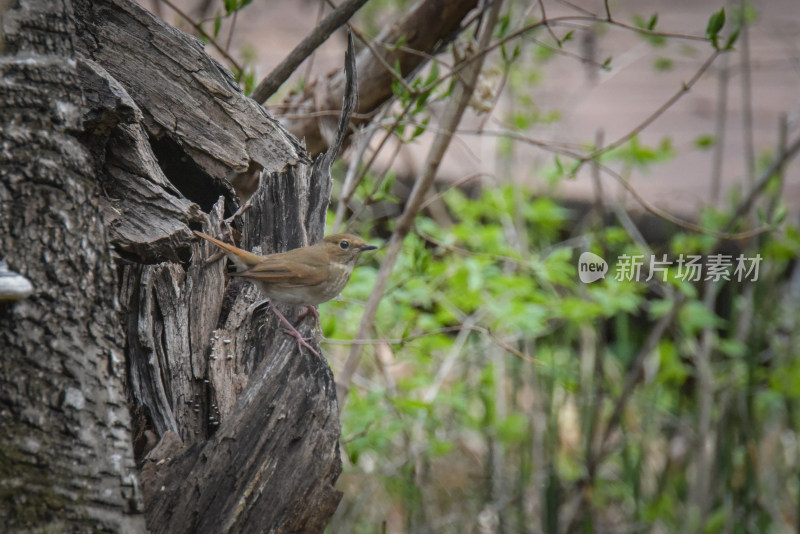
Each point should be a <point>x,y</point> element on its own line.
<point>241,258</point>
<point>287,270</point>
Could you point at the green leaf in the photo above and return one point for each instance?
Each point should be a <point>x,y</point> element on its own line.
<point>401,41</point>
<point>410,406</point>
<point>715,24</point>
<point>420,129</point>
<point>732,348</point>
<point>694,316</point>
<point>705,141</point>
<point>780,214</point>
<point>230,6</point>
<point>503,24</point>
<point>217,23</point>
<point>433,75</point>
<point>559,165</point>
<point>663,64</point>
<point>513,429</point>
<point>732,38</point>
<point>648,26</point>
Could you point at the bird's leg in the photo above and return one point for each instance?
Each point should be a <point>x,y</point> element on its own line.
<point>309,310</point>
<point>292,331</point>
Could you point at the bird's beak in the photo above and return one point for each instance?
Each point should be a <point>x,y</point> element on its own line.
<point>368,247</point>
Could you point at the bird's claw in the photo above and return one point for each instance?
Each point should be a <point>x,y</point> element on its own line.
<point>302,341</point>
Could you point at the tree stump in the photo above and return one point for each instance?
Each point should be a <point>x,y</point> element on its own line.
<point>120,136</point>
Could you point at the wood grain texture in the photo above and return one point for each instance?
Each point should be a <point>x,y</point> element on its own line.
<point>127,142</point>
<point>184,94</point>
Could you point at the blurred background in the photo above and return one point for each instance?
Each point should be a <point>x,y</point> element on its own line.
<point>496,392</point>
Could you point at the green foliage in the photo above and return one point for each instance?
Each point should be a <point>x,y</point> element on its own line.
<point>705,141</point>
<point>663,64</point>
<point>715,24</point>
<point>495,369</point>
<point>649,25</point>
<point>638,156</point>
<point>530,299</point>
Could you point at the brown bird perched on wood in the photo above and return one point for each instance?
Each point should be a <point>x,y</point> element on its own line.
<point>305,276</point>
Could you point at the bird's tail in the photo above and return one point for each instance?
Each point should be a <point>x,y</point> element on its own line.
<point>241,258</point>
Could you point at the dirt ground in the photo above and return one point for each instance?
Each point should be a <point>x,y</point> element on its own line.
<point>589,100</point>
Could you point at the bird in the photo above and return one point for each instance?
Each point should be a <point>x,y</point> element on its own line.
<point>305,276</point>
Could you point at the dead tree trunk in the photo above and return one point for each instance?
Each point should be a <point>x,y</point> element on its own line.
<point>119,135</point>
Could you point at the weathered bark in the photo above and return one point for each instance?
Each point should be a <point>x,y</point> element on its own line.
<point>427,27</point>
<point>65,457</point>
<point>113,156</point>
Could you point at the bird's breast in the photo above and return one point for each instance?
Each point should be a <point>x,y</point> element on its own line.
<point>311,295</point>
<point>338,275</point>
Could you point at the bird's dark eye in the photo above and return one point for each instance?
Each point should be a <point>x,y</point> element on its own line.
<point>345,244</point>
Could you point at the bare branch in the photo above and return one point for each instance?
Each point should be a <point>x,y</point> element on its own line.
<point>685,88</point>
<point>430,25</point>
<point>319,35</point>
<point>775,167</point>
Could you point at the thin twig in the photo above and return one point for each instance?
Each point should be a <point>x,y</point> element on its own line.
<point>634,375</point>
<point>546,25</point>
<point>444,330</point>
<point>347,195</point>
<point>202,32</point>
<point>356,215</point>
<point>577,8</point>
<point>454,185</point>
<point>720,116</point>
<point>415,52</point>
<point>452,116</point>
<point>775,167</point>
<point>599,202</point>
<point>322,113</point>
<point>685,88</point>
<point>747,96</point>
<point>551,146</point>
<point>468,253</point>
<point>450,359</point>
<point>310,62</point>
<point>350,182</point>
<point>568,20</point>
<point>566,53</point>
<point>230,30</point>
<point>396,75</point>
<point>272,82</point>
<point>683,223</point>
<point>783,132</point>
<point>705,389</point>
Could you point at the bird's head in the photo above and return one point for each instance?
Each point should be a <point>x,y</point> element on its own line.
<point>345,248</point>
